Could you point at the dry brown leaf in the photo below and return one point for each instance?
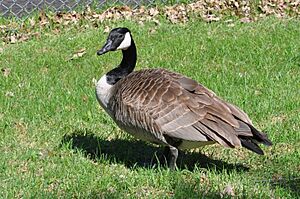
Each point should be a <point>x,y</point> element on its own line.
<point>228,191</point>
<point>88,10</point>
<point>210,11</point>
<point>21,127</point>
<point>85,98</point>
<point>125,8</point>
<point>280,8</point>
<point>99,17</point>
<point>21,85</point>
<point>43,19</point>
<point>56,31</point>
<point>153,12</point>
<point>177,13</point>
<point>94,81</point>
<point>36,34</point>
<point>141,23</point>
<point>9,94</point>
<point>257,92</point>
<point>5,71</point>
<point>142,10</point>
<point>44,70</point>
<point>58,18</point>
<point>80,51</point>
<point>106,29</point>
<point>211,18</point>
<point>77,54</point>
<point>53,185</point>
<point>245,20</point>
<point>32,22</point>
<point>23,37</point>
<point>156,22</point>
<point>3,27</point>
<point>152,30</point>
<point>13,39</point>
<point>278,119</point>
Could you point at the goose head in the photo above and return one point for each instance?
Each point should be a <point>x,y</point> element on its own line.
<point>118,39</point>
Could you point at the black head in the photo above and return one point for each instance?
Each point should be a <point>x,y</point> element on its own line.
<point>118,39</point>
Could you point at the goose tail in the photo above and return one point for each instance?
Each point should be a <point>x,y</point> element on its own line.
<point>251,143</point>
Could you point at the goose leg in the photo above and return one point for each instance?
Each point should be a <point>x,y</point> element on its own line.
<point>173,154</point>
<point>166,154</point>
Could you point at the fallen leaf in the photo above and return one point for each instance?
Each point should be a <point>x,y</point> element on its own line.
<point>80,51</point>
<point>56,31</point>
<point>257,92</point>
<point>43,19</point>
<point>156,22</point>
<point>278,119</point>
<point>152,30</point>
<point>24,38</point>
<point>211,18</point>
<point>88,9</point>
<point>32,22</point>
<point>13,39</point>
<point>94,81</point>
<point>44,70</point>
<point>208,10</point>
<point>228,191</point>
<point>236,4</point>
<point>77,54</point>
<point>85,98</point>
<point>21,127</point>
<point>177,13</point>
<point>53,185</point>
<point>36,34</point>
<point>228,21</point>
<point>153,12</point>
<point>9,94</point>
<point>245,20</point>
<point>3,27</point>
<point>5,71</point>
<point>21,85</point>
<point>45,153</point>
<point>106,29</point>
<point>141,23</point>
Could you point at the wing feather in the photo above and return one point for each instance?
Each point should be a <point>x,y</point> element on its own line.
<point>179,107</point>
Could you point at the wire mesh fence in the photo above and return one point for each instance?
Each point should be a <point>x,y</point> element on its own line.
<point>24,8</point>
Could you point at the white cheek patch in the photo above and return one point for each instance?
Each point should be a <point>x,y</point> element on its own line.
<point>126,42</point>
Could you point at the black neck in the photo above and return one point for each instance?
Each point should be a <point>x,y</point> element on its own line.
<point>129,58</point>
<point>126,66</point>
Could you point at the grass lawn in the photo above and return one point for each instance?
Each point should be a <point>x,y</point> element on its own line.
<point>56,141</point>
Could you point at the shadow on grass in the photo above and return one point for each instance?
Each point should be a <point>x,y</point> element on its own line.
<point>181,192</point>
<point>140,154</point>
<point>290,183</point>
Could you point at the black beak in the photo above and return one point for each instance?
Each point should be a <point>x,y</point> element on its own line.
<point>107,47</point>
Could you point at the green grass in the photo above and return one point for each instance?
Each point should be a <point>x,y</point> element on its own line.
<point>56,141</point>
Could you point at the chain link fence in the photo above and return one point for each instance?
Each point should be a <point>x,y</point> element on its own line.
<point>24,8</point>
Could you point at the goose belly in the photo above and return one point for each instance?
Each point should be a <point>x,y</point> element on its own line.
<point>143,134</point>
<point>186,144</point>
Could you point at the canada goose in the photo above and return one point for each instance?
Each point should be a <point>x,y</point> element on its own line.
<point>169,109</point>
